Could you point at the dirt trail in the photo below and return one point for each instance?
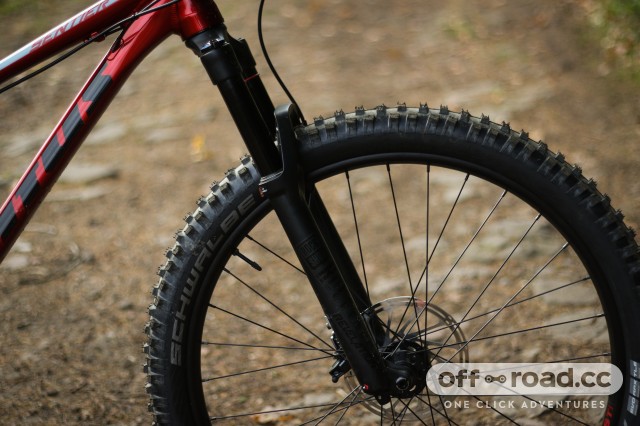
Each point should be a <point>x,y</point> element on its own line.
<point>76,286</point>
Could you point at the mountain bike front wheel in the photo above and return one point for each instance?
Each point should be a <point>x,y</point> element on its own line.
<point>475,244</point>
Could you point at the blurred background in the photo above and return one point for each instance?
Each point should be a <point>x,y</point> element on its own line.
<point>76,285</point>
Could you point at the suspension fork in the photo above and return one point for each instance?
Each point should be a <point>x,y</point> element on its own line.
<point>287,191</point>
<point>302,214</point>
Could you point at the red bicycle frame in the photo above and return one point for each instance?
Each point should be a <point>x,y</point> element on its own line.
<point>140,36</point>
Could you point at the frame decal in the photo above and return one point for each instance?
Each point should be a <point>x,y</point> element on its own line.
<point>51,156</point>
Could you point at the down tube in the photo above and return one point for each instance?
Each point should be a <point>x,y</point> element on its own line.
<point>93,99</point>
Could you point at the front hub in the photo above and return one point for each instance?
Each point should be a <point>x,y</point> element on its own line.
<point>410,335</point>
<point>408,367</point>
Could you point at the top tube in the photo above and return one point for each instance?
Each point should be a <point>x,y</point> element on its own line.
<point>82,26</point>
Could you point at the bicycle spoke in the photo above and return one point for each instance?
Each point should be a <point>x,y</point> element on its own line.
<point>402,414</point>
<point>429,256</point>
<point>246,345</point>
<point>466,248</point>
<point>334,409</point>
<point>260,295</point>
<point>404,252</point>
<point>490,320</point>
<point>272,367</point>
<point>268,250</point>
<point>444,415</point>
<point>524,330</point>
<point>407,335</point>
<point>446,222</point>
<point>353,402</point>
<point>342,409</point>
<point>393,413</point>
<point>495,275</point>
<point>268,329</point>
<point>357,228</point>
<point>399,225</point>
<point>408,408</point>
<point>426,254</point>
<point>431,408</point>
<point>279,410</point>
<point>581,280</point>
<point>556,361</point>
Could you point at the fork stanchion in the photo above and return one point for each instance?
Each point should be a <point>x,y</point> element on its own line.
<point>225,71</point>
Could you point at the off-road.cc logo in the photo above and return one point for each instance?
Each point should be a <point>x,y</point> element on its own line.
<point>524,379</point>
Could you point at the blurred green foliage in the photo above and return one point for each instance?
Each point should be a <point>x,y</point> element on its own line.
<point>628,10</point>
<point>618,22</point>
<point>9,6</point>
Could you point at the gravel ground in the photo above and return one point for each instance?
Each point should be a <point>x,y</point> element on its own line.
<point>76,285</point>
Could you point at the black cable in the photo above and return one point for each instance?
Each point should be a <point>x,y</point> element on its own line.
<point>150,5</point>
<point>105,33</point>
<point>45,67</point>
<point>266,55</point>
